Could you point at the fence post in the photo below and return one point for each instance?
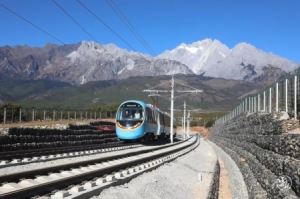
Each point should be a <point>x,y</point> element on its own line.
<point>20,115</point>
<point>80,115</point>
<point>295,97</point>
<point>75,114</point>
<point>270,100</point>
<point>44,117</point>
<point>54,115</point>
<point>264,101</point>
<point>86,115</point>
<point>246,105</point>
<point>4,116</point>
<point>277,109</point>
<point>253,106</point>
<point>68,115</point>
<point>255,103</point>
<point>32,114</point>
<point>258,103</point>
<point>286,95</point>
<point>249,105</point>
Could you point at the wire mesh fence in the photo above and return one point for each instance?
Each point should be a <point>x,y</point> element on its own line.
<point>10,115</point>
<point>282,96</point>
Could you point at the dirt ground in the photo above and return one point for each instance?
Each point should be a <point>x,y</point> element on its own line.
<point>201,130</point>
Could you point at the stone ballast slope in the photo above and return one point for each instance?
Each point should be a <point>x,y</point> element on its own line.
<point>263,151</point>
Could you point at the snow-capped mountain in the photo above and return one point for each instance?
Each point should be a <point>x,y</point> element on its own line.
<point>213,58</point>
<point>81,63</point>
<point>90,61</point>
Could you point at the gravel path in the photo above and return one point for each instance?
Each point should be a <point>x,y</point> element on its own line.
<point>187,177</point>
<point>237,184</point>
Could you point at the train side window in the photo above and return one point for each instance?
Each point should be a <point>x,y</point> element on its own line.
<point>161,118</point>
<point>167,120</point>
<point>149,115</point>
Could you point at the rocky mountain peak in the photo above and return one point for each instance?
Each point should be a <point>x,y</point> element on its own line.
<point>213,58</point>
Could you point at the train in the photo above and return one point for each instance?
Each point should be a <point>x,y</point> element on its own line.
<point>136,120</point>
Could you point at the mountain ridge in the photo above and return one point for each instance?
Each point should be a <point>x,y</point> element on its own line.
<point>215,59</point>
<point>89,61</point>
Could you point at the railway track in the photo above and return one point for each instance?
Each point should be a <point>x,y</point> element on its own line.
<point>44,181</point>
<point>63,152</point>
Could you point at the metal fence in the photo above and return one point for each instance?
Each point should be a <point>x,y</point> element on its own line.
<point>284,95</point>
<point>15,115</point>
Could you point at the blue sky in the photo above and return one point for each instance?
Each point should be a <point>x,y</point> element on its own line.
<point>271,25</point>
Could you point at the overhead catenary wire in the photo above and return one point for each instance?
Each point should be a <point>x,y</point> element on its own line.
<point>122,16</point>
<point>73,19</point>
<point>31,23</point>
<point>105,24</point>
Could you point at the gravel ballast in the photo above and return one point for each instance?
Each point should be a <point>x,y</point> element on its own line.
<point>189,176</point>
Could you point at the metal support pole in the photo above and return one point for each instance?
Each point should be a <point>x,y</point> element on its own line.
<point>184,120</point>
<point>86,115</point>
<point>80,115</point>
<point>188,123</point>
<point>44,116</point>
<point>286,95</point>
<point>61,115</point>
<point>277,108</point>
<point>75,114</point>
<point>68,115</point>
<point>172,109</point>
<point>264,101</point>
<point>270,100</point>
<point>295,97</point>
<point>246,104</point>
<point>182,123</point>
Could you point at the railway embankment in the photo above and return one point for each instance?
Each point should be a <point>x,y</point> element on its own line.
<point>266,148</point>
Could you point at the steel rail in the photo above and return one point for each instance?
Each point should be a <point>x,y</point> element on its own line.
<point>32,188</point>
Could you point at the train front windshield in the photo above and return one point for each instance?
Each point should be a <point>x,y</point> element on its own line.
<point>130,114</point>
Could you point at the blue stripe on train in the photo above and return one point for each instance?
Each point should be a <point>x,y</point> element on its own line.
<point>132,134</point>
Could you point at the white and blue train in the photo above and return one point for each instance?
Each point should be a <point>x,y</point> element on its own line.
<point>136,120</point>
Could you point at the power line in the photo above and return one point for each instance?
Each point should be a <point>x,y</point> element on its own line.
<point>105,24</point>
<point>73,19</point>
<point>129,25</point>
<point>31,23</point>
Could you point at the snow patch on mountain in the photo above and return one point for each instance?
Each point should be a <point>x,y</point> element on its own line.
<point>215,59</point>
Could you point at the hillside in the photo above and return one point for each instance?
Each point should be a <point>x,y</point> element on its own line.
<point>219,94</point>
